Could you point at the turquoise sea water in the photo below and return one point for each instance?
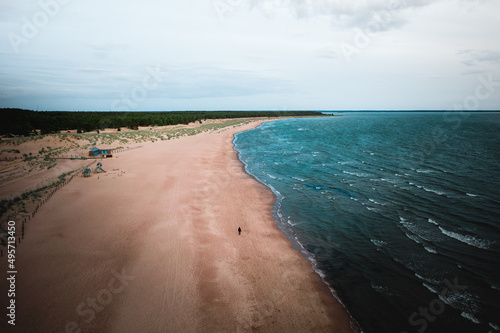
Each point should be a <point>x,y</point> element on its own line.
<point>398,212</point>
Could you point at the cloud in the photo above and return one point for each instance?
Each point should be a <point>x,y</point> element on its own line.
<point>328,53</point>
<point>88,69</point>
<point>262,54</point>
<point>356,13</point>
<point>107,50</point>
<point>214,81</point>
<point>479,57</point>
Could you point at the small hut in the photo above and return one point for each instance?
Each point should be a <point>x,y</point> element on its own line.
<point>102,152</point>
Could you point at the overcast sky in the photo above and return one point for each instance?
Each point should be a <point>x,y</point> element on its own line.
<point>250,54</point>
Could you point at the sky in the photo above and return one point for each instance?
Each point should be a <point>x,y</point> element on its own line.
<point>161,55</point>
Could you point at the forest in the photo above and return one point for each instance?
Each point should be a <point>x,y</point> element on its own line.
<point>28,122</point>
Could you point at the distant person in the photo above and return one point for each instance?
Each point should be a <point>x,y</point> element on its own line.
<point>239,231</point>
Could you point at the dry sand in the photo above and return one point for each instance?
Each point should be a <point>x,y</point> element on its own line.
<point>152,246</point>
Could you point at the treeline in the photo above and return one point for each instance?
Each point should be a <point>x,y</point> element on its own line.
<point>26,122</point>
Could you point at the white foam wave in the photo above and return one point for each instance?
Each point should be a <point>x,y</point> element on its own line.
<point>432,221</point>
<point>470,317</point>
<point>357,174</point>
<point>495,327</point>
<point>270,176</point>
<point>413,238</point>
<point>378,243</point>
<point>424,171</point>
<point>433,191</point>
<point>462,301</point>
<point>357,200</point>
<point>436,282</point>
<point>430,250</point>
<point>417,233</point>
<point>468,239</point>
<point>430,288</point>
<point>372,209</point>
<point>299,179</point>
<point>471,195</point>
<point>428,189</point>
<point>376,202</point>
<point>382,289</point>
<point>275,191</point>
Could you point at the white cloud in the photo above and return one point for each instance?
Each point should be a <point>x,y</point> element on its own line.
<point>477,57</point>
<point>236,54</point>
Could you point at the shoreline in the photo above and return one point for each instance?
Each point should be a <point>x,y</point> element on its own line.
<point>318,280</point>
<point>156,247</point>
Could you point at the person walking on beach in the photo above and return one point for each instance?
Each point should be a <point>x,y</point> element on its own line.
<point>239,231</point>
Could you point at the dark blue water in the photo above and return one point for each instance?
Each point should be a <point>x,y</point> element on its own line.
<point>398,212</point>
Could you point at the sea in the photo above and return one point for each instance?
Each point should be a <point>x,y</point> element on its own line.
<point>398,212</point>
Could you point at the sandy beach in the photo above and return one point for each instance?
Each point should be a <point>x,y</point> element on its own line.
<point>152,246</point>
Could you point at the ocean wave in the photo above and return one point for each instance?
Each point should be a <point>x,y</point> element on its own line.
<point>378,243</point>
<point>372,209</point>
<point>471,195</point>
<point>434,191</point>
<point>409,226</point>
<point>432,221</point>
<point>357,174</point>
<point>376,202</point>
<point>461,300</point>
<point>299,179</point>
<point>417,233</point>
<point>470,317</point>
<point>383,290</point>
<point>357,200</point>
<point>495,327</point>
<point>468,239</point>
<point>413,238</point>
<point>430,288</point>
<point>430,250</point>
<point>428,189</point>
<point>429,280</point>
<point>424,171</point>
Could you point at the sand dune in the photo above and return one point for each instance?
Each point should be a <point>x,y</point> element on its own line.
<point>152,246</point>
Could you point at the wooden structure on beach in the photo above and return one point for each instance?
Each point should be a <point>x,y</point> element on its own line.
<point>99,168</point>
<point>100,152</point>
